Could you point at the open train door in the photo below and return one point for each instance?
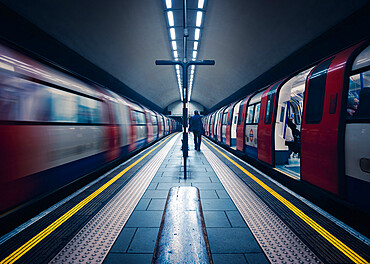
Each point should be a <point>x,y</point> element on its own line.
<point>321,151</point>
<point>241,124</point>
<point>266,125</point>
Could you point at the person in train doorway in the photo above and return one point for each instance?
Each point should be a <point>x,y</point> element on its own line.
<point>294,146</point>
<point>196,126</point>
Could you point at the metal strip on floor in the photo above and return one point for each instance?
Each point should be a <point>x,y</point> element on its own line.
<point>278,242</point>
<point>93,242</point>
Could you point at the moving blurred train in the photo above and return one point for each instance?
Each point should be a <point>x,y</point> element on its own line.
<point>313,126</point>
<point>56,128</point>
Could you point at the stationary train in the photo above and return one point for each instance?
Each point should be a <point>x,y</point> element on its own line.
<point>313,125</point>
<point>56,128</point>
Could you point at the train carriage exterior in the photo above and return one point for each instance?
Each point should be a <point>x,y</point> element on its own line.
<point>56,128</point>
<point>320,115</point>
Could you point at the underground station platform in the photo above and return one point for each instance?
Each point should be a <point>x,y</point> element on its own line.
<point>144,211</point>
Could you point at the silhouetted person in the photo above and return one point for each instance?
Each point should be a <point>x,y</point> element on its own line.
<point>352,106</point>
<point>294,146</point>
<point>363,110</point>
<point>196,126</point>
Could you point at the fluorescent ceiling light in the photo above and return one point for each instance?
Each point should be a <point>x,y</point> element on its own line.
<point>177,67</point>
<point>196,35</point>
<point>175,54</point>
<point>200,3</point>
<point>170,18</point>
<point>174,46</point>
<point>196,45</point>
<point>193,67</point>
<point>199,18</point>
<point>195,54</point>
<point>172,33</point>
<point>169,4</point>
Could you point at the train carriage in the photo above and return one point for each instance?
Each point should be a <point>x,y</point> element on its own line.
<point>319,115</point>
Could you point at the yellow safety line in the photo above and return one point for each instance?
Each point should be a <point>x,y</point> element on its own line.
<point>48,230</point>
<point>328,236</point>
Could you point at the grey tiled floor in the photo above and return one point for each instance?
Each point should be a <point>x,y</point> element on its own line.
<point>230,239</point>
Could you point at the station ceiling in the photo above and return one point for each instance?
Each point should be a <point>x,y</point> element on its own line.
<point>245,38</point>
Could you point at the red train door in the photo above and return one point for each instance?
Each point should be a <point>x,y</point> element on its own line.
<point>321,120</point>
<point>228,124</point>
<point>114,141</point>
<point>241,124</point>
<point>266,124</point>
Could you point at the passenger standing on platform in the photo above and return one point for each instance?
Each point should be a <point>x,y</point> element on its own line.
<point>196,126</point>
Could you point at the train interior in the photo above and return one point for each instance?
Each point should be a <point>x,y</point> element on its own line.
<point>288,125</point>
<point>357,129</point>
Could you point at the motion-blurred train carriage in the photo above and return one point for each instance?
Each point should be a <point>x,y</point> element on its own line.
<point>313,126</point>
<point>56,128</point>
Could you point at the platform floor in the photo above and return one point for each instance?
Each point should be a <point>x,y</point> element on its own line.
<point>249,218</point>
<point>230,239</point>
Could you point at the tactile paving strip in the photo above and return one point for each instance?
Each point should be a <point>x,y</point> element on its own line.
<point>93,242</point>
<point>277,241</point>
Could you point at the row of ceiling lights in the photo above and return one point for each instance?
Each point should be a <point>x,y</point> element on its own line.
<point>174,46</point>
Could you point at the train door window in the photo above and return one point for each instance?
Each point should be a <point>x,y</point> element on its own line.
<point>257,113</point>
<point>224,118</point>
<point>288,124</point>
<point>316,93</point>
<point>230,117</point>
<point>240,116</point>
<point>358,102</point>
<point>270,104</point>
<point>250,113</point>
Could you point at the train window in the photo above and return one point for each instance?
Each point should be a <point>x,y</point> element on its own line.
<point>358,104</point>
<point>88,110</point>
<point>257,113</point>
<point>270,104</point>
<point>64,106</point>
<point>140,118</point>
<point>224,118</point>
<point>154,120</point>
<point>250,113</point>
<point>240,112</point>
<point>23,100</point>
<point>316,93</point>
<point>362,60</point>
<point>230,118</point>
